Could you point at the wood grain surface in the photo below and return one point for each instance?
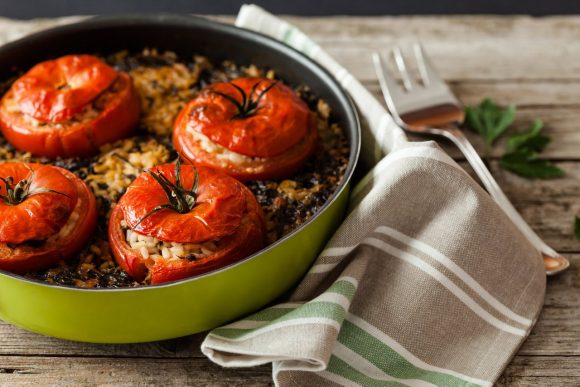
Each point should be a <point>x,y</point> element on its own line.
<point>531,62</point>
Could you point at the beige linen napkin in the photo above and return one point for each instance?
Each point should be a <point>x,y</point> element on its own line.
<point>427,282</point>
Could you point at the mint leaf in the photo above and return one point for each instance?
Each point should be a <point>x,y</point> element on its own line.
<point>532,139</point>
<point>577,228</point>
<point>489,120</point>
<point>525,162</point>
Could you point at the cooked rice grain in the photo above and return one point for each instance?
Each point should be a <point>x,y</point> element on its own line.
<point>152,248</point>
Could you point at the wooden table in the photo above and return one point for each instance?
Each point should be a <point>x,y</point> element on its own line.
<point>534,63</point>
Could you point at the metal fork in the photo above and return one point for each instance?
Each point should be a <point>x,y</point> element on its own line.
<point>431,108</point>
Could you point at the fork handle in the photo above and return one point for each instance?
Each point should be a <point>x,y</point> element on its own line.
<point>553,262</point>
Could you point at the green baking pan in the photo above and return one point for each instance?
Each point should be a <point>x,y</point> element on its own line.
<point>203,302</point>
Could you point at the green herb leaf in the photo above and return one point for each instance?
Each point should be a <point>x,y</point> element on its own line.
<point>489,120</point>
<point>522,154</point>
<point>525,162</point>
<point>533,139</point>
<point>577,228</point>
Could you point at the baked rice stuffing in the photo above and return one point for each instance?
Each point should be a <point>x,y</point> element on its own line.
<point>166,83</point>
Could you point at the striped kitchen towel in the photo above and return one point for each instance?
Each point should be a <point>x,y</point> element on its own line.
<point>427,282</point>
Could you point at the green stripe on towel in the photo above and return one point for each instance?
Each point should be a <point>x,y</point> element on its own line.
<point>390,361</point>
<point>341,368</point>
<point>343,287</point>
<point>275,315</point>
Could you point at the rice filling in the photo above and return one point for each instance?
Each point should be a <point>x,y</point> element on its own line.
<point>222,153</point>
<point>152,248</point>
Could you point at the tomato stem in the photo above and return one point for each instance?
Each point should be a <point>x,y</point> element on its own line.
<point>249,105</point>
<point>16,193</point>
<point>180,199</point>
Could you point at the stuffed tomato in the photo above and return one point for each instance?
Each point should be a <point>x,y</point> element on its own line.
<point>176,221</point>
<point>69,107</point>
<point>250,128</point>
<point>47,214</point>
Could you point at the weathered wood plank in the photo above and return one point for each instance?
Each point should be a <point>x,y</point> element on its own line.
<point>561,122</point>
<point>542,370</point>
<point>462,47</point>
<point>90,371</point>
<point>549,206</point>
<point>346,29</point>
<point>17,341</point>
<point>557,332</point>
<point>16,370</point>
<point>532,93</point>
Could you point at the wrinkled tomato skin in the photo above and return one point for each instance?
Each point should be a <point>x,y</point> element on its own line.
<point>56,90</point>
<point>116,121</point>
<point>276,167</point>
<point>24,259</point>
<point>246,241</point>
<point>279,122</point>
<point>218,211</point>
<point>274,141</point>
<point>129,260</point>
<point>248,238</point>
<point>41,215</point>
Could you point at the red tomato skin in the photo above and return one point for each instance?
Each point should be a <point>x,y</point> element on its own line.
<point>247,239</point>
<point>279,123</point>
<point>276,167</point>
<point>28,259</point>
<point>40,215</point>
<point>56,90</point>
<point>218,212</point>
<point>117,120</point>
<point>130,261</point>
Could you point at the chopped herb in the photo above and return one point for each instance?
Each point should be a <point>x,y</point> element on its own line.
<point>490,121</point>
<point>522,154</point>
<point>577,228</point>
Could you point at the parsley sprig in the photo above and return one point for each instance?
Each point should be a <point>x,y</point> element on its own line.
<point>522,154</point>
<point>522,149</point>
<point>490,121</point>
